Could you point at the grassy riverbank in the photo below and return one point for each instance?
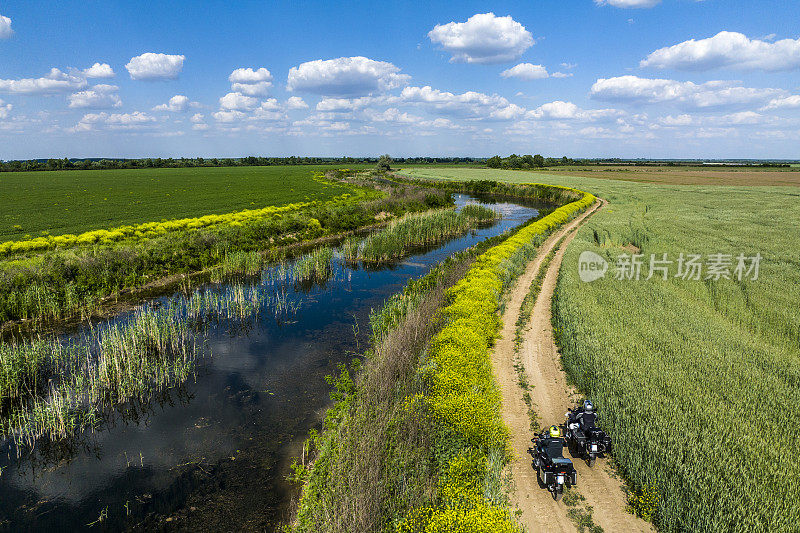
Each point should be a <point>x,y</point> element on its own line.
<point>61,283</point>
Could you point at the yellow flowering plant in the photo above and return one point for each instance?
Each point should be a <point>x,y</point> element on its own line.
<point>463,395</point>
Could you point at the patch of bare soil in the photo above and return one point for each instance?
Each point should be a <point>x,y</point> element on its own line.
<point>667,176</point>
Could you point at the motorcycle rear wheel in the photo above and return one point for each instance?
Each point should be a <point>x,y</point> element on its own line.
<point>558,494</point>
<point>590,461</point>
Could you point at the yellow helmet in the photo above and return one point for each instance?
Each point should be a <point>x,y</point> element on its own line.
<point>555,432</point>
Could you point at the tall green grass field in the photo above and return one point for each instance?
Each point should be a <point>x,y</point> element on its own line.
<point>75,201</point>
<point>698,381</point>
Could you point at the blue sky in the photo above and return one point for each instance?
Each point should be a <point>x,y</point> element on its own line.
<point>590,78</point>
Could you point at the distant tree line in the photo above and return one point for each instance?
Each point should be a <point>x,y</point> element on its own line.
<point>527,161</point>
<point>189,162</point>
<point>515,161</point>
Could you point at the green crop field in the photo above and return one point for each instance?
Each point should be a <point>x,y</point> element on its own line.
<point>697,381</point>
<point>62,202</point>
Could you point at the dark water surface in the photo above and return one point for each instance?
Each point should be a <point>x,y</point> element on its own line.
<point>212,454</point>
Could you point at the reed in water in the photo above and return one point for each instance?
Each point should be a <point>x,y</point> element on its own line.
<point>416,230</point>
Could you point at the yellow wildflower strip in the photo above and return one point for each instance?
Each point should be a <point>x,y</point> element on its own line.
<point>463,396</point>
<point>149,230</point>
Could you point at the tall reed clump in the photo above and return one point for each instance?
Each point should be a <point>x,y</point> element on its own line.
<point>463,398</point>
<point>418,229</point>
<point>51,388</point>
<point>55,387</point>
<point>247,263</point>
<point>315,265</point>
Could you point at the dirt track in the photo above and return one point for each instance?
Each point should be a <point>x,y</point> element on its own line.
<point>551,398</point>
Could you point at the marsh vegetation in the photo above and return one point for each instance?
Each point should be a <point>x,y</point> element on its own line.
<point>414,231</point>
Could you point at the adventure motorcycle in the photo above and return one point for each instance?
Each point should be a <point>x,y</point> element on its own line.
<point>552,468</point>
<point>584,438</point>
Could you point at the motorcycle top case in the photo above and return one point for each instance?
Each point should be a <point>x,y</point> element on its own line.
<point>561,466</point>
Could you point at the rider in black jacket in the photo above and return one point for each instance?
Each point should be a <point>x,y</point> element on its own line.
<point>550,443</point>
<point>585,416</point>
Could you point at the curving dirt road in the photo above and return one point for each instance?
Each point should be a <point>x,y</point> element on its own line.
<point>551,398</point>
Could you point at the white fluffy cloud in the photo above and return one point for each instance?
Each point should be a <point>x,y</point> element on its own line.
<point>151,66</point>
<point>5,109</point>
<point>483,38</point>
<point>636,4</point>
<point>728,50</point>
<point>556,110</point>
<point>96,97</point>
<point>632,89</point>
<point>99,70</point>
<point>5,27</point>
<point>596,132</point>
<point>393,115</point>
<point>526,71</point>
<point>238,102</point>
<point>326,126</point>
<point>788,102</point>
<point>269,110</point>
<point>560,110</point>
<point>677,121</point>
<point>229,116</point>
<point>252,89</point>
<point>116,121</point>
<point>463,110</point>
<point>339,105</point>
<point>236,107</point>
<point>295,102</point>
<point>251,82</point>
<point>55,81</point>
<point>470,104</point>
<point>249,75</point>
<point>345,76</point>
<point>177,104</point>
<point>742,118</point>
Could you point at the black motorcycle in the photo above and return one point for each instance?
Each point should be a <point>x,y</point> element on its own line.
<point>584,438</point>
<point>553,470</point>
